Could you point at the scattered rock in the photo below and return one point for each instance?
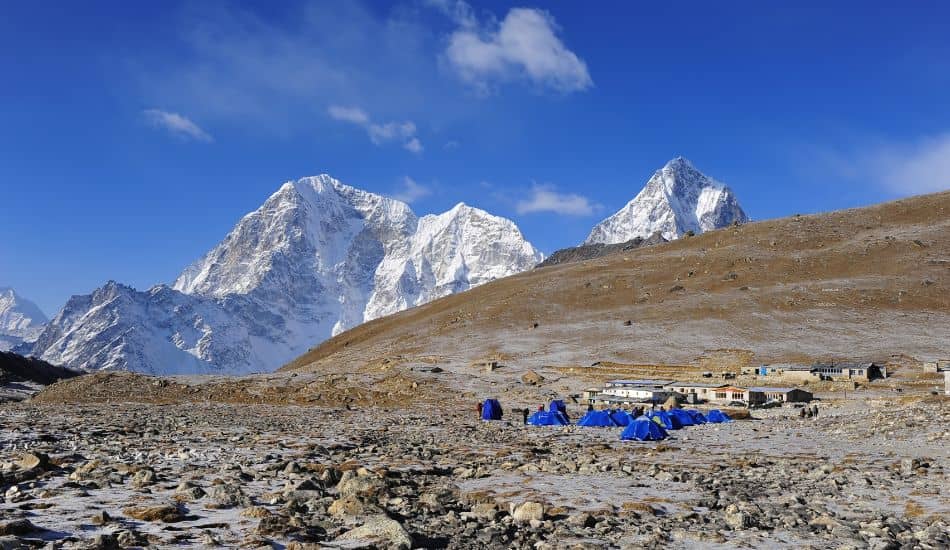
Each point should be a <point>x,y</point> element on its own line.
<point>380,530</point>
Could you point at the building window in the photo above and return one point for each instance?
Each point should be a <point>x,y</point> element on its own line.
<point>721,395</point>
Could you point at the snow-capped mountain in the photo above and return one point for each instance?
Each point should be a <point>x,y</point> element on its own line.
<point>20,319</point>
<point>318,257</point>
<point>678,198</point>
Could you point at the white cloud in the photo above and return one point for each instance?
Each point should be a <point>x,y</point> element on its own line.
<point>545,198</point>
<point>456,10</point>
<point>901,168</point>
<point>413,146</point>
<point>379,133</point>
<point>411,191</point>
<point>178,125</point>
<point>451,145</point>
<point>923,167</point>
<point>349,114</point>
<point>524,45</point>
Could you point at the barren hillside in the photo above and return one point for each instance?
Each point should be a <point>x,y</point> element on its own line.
<point>853,284</point>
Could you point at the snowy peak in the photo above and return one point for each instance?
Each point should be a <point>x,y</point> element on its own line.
<point>20,319</point>
<point>678,198</point>
<point>318,257</point>
<point>17,313</point>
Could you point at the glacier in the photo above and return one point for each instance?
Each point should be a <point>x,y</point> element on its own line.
<point>677,199</point>
<point>317,258</point>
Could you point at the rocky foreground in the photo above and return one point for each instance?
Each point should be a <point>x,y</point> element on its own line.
<point>862,475</point>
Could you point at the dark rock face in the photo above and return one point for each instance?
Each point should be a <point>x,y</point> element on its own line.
<point>16,368</point>
<point>598,250</point>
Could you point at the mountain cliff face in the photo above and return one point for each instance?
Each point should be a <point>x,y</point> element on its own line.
<point>677,199</point>
<point>20,319</point>
<point>318,257</point>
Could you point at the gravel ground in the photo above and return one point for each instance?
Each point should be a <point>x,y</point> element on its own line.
<point>864,474</point>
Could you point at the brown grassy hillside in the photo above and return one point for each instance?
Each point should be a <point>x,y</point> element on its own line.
<point>860,283</point>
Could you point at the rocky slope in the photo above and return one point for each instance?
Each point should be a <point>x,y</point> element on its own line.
<point>20,319</point>
<point>318,257</point>
<point>853,284</point>
<point>677,199</point>
<point>599,250</point>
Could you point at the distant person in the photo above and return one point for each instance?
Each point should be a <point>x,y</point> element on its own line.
<point>524,413</point>
<point>801,413</point>
<point>540,408</point>
<point>590,407</point>
<point>480,409</point>
<point>814,410</point>
<point>808,412</point>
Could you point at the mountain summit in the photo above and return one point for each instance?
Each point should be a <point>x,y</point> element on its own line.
<point>677,198</point>
<point>318,257</point>
<point>20,319</point>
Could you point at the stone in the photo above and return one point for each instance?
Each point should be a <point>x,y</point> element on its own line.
<point>227,495</point>
<point>486,511</point>
<point>362,487</point>
<point>532,378</point>
<point>527,511</point>
<point>379,530</point>
<point>167,513</point>
<point>104,542</point>
<point>31,462</point>
<point>351,506</point>
<point>101,518</point>
<point>18,527</point>
<point>143,478</point>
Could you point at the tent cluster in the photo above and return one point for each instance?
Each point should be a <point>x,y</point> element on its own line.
<point>652,426</point>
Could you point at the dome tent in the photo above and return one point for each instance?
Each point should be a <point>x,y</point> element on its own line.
<point>547,418</point>
<point>716,416</point>
<point>698,417</point>
<point>621,417</point>
<point>491,410</point>
<point>599,419</point>
<point>684,417</point>
<point>665,419</point>
<point>643,429</point>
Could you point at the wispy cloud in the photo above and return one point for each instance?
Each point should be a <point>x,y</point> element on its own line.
<point>902,168</point>
<point>379,134</point>
<point>176,124</point>
<point>411,191</point>
<point>524,46</point>
<point>546,198</point>
<point>922,167</point>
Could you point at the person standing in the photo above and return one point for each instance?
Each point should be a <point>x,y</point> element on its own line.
<point>814,410</point>
<point>524,413</point>
<point>590,407</point>
<point>479,409</point>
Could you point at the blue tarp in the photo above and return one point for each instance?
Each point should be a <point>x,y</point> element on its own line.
<point>665,420</point>
<point>622,418</point>
<point>491,410</point>
<point>599,419</point>
<point>547,418</point>
<point>716,416</point>
<point>643,429</point>
<point>698,417</point>
<point>684,417</point>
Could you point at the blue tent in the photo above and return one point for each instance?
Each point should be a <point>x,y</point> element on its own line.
<point>665,420</point>
<point>698,417</point>
<point>684,417</point>
<point>716,416</point>
<point>600,419</point>
<point>643,429</point>
<point>622,418</point>
<point>491,410</point>
<point>547,418</point>
<point>558,406</point>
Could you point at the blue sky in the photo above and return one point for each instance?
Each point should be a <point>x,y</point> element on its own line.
<point>134,135</point>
